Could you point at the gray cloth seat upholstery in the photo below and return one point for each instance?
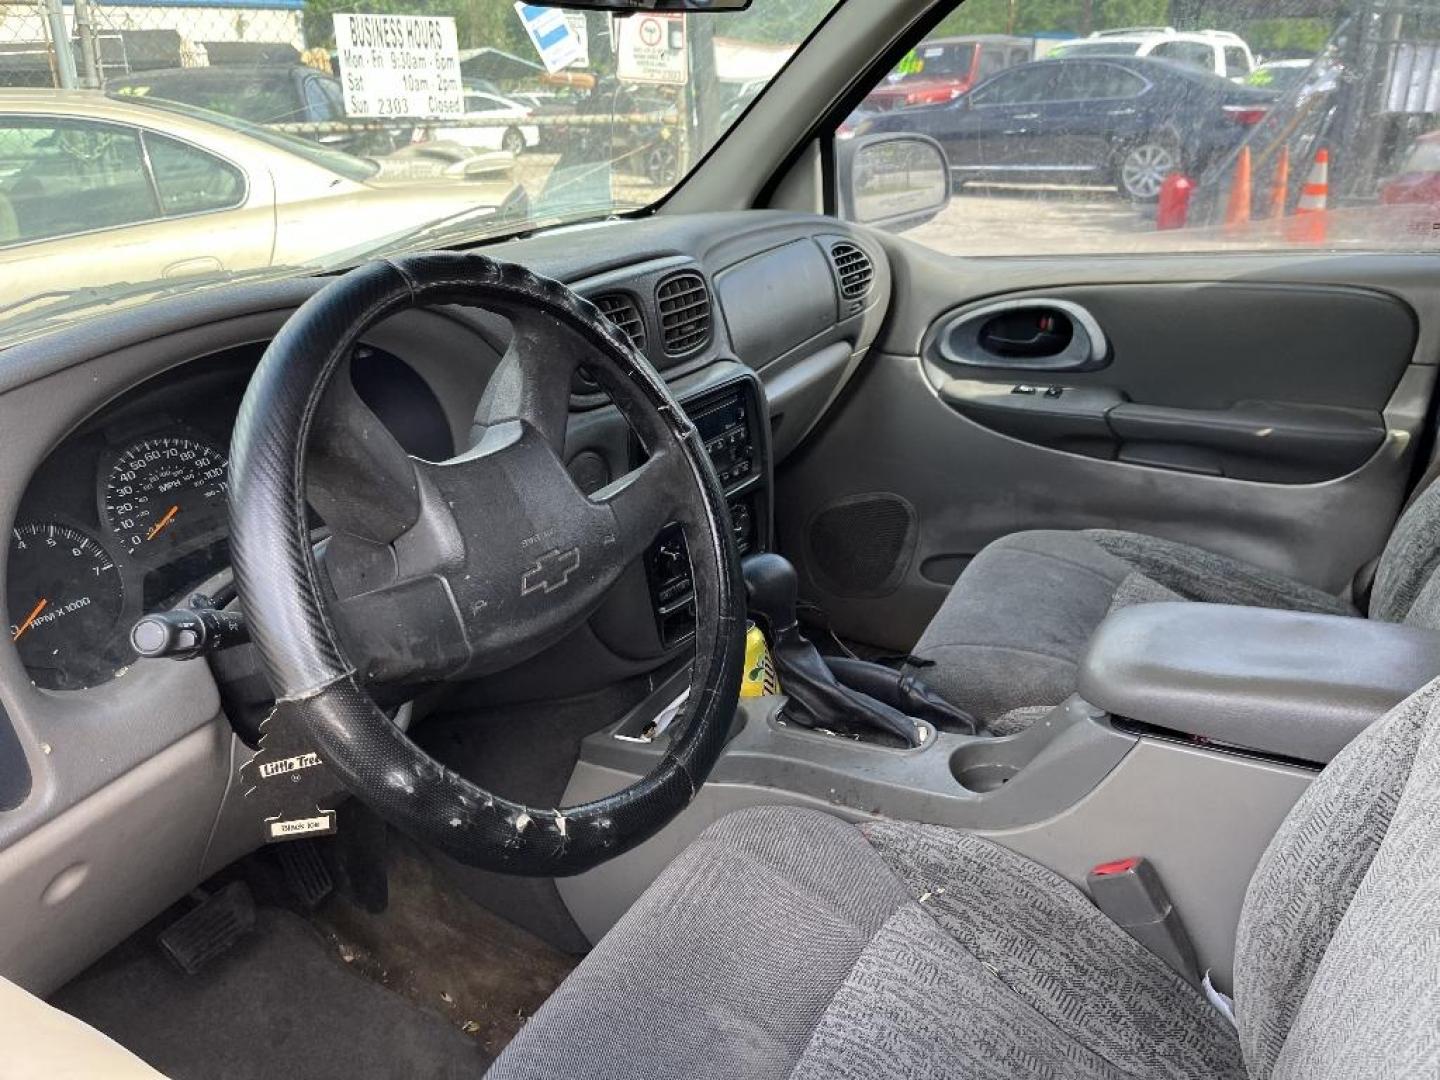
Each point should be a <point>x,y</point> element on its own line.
<point>1012,632</point>
<point>785,943</point>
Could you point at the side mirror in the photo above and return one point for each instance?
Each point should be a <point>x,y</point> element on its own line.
<point>892,181</point>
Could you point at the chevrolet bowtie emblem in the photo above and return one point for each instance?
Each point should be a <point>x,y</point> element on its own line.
<point>551,571</point>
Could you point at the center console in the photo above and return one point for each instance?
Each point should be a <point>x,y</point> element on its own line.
<point>1196,728</point>
<point>731,421</point>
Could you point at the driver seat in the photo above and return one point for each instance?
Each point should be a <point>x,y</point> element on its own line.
<point>786,943</point>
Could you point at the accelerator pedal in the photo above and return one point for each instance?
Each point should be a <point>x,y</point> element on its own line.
<point>306,874</point>
<point>211,929</point>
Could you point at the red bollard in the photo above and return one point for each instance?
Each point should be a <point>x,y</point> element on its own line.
<point>1173,208</point>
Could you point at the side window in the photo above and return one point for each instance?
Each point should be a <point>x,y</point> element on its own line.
<point>70,176</point>
<point>320,103</point>
<point>191,181</point>
<point>992,61</point>
<point>1077,80</point>
<point>1154,151</point>
<point>1015,87</point>
<point>1194,54</point>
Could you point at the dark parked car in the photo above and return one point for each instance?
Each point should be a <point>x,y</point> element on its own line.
<point>262,94</point>
<point>1125,121</point>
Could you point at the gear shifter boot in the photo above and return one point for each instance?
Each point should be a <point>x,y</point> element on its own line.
<point>817,699</point>
<point>902,691</point>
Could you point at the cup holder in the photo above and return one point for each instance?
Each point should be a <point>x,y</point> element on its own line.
<point>984,777</point>
<point>987,765</point>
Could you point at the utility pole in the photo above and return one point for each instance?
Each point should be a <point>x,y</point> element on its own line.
<point>704,84</point>
<point>60,42</point>
<point>89,52</point>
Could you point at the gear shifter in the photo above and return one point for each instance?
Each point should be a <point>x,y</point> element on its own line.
<point>817,698</point>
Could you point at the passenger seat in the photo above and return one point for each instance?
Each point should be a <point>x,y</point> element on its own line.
<point>1007,643</point>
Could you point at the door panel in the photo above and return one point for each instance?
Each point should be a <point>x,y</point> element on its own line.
<point>1264,407</point>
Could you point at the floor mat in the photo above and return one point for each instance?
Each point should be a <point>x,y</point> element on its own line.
<point>443,951</point>
<point>281,1003</point>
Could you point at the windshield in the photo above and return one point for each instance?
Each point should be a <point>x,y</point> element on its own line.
<point>194,143</point>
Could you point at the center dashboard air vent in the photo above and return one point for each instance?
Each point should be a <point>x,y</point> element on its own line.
<point>685,318</point>
<point>622,311</point>
<point>854,270</point>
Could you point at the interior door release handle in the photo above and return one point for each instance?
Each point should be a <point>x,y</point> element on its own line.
<point>1033,333</point>
<point>1047,340</point>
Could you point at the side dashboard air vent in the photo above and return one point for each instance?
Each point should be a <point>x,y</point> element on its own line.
<point>854,269</point>
<point>685,319</point>
<point>620,309</point>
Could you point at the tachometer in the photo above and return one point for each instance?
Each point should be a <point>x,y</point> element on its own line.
<point>65,597</point>
<point>166,495</point>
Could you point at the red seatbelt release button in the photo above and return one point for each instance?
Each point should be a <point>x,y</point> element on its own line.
<point>1119,866</point>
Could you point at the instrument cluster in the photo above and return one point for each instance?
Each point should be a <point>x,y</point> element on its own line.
<point>74,590</point>
<point>128,515</point>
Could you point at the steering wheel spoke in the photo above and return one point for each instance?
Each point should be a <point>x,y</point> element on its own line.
<point>644,501</point>
<point>358,478</point>
<point>532,382</point>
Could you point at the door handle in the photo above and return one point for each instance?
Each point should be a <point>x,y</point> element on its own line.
<point>1026,116</point>
<point>1121,112</point>
<point>1030,334</point>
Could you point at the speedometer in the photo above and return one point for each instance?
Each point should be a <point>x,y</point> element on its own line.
<point>165,496</point>
<point>65,597</point>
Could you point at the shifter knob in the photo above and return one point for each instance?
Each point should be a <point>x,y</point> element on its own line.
<point>772,589</point>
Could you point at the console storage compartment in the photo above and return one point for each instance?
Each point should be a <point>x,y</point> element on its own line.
<point>1282,683</point>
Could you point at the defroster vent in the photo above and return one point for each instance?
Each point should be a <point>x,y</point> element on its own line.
<point>685,319</point>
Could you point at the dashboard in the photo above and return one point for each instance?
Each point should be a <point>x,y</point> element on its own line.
<point>113,442</point>
<point>128,514</point>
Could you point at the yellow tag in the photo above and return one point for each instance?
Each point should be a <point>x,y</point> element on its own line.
<point>760,679</point>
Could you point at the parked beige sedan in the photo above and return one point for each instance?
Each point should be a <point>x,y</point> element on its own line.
<point>96,190</point>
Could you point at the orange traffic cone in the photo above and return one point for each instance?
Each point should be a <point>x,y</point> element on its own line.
<point>1308,225</point>
<point>1237,210</point>
<point>1280,187</point>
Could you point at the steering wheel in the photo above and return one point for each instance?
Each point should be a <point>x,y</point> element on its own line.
<point>452,570</point>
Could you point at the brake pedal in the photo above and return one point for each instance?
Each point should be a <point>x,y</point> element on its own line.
<point>211,929</point>
<point>306,874</point>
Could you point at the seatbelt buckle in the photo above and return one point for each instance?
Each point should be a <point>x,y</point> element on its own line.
<point>1131,895</point>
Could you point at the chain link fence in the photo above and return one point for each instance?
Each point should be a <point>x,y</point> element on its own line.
<point>98,42</point>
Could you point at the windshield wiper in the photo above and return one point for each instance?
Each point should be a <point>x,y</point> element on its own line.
<point>464,227</point>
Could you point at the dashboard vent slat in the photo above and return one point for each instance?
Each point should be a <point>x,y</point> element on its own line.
<point>685,317</point>
<point>624,313</point>
<point>854,269</point>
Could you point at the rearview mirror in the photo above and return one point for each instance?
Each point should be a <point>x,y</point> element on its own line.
<point>639,7</point>
<point>892,181</point>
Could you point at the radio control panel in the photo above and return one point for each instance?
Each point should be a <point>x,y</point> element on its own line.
<point>732,426</point>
